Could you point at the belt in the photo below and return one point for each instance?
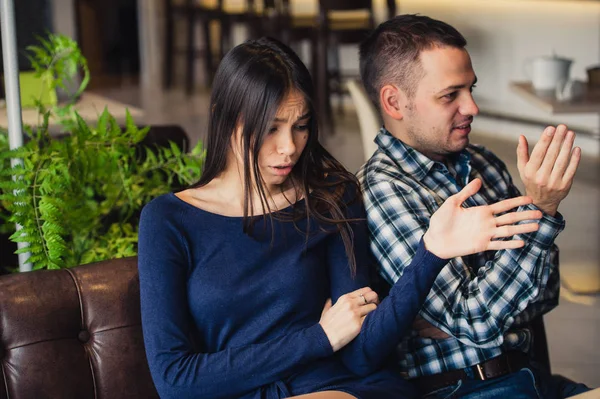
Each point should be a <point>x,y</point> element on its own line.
<point>506,363</point>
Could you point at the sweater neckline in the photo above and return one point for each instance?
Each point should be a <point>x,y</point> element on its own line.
<point>225,217</point>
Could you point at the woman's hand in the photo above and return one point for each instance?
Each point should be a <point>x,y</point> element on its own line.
<point>457,231</point>
<point>342,321</point>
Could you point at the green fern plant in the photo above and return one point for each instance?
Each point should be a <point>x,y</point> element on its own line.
<point>5,226</point>
<point>78,197</point>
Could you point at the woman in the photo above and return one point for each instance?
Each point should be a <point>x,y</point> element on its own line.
<point>235,272</point>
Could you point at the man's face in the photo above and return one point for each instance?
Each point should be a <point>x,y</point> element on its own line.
<point>438,118</point>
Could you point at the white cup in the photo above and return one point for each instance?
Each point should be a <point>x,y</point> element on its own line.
<point>547,73</point>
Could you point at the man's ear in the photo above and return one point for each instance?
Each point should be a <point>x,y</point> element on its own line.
<point>393,101</point>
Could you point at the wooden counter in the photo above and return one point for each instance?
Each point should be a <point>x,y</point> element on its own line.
<point>89,106</point>
<point>588,103</point>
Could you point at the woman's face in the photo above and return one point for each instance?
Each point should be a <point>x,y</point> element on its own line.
<point>284,142</point>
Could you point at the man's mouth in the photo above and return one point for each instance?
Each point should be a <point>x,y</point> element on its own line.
<point>463,127</point>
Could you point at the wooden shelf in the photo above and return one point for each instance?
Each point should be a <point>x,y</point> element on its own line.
<point>588,103</point>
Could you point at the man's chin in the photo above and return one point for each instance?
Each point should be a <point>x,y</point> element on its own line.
<point>457,147</point>
<point>462,143</point>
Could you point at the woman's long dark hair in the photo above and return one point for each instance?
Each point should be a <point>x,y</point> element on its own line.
<point>252,81</point>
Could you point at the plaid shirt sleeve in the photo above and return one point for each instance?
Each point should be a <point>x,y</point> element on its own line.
<point>474,306</point>
<point>547,298</point>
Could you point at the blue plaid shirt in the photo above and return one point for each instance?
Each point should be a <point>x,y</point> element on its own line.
<point>484,301</point>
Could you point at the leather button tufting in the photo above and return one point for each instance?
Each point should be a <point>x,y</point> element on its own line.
<point>83,336</point>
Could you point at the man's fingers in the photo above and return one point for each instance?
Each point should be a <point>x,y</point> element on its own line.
<point>509,231</point>
<point>508,204</point>
<point>573,164</point>
<point>514,217</point>
<point>539,151</point>
<point>562,161</point>
<point>522,153</point>
<point>553,150</point>
<point>468,190</point>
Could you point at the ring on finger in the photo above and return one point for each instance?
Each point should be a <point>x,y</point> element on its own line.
<point>364,299</point>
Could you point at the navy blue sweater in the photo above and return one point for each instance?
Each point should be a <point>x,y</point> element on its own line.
<point>225,314</point>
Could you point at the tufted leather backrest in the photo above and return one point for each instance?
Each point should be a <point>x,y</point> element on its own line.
<point>73,333</point>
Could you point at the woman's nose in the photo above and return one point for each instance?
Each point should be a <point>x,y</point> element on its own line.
<point>285,144</point>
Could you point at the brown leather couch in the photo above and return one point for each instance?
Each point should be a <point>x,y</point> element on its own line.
<point>76,333</point>
<point>73,333</point>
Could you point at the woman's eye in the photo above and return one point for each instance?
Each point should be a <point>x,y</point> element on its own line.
<point>273,129</point>
<point>301,127</point>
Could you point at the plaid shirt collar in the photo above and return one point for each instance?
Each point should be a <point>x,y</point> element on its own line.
<point>414,163</point>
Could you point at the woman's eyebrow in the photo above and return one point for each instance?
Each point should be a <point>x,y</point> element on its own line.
<point>306,115</point>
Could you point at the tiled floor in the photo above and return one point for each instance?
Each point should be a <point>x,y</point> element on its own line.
<point>573,328</point>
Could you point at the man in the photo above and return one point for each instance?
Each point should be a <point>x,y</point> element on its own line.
<point>473,335</point>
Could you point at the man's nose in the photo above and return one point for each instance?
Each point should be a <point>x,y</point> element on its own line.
<point>469,107</point>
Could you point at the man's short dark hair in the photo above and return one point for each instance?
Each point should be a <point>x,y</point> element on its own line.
<point>390,54</point>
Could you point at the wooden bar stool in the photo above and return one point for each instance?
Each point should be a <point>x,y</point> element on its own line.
<point>340,22</point>
<point>192,12</point>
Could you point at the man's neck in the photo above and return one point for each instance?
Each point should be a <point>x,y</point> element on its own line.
<point>400,133</point>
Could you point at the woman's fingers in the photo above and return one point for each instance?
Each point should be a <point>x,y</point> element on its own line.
<point>514,217</point>
<point>360,291</point>
<point>509,231</point>
<point>366,309</point>
<point>367,298</point>
<point>326,307</point>
<point>508,204</point>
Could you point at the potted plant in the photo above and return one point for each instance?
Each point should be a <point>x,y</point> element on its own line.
<point>78,196</point>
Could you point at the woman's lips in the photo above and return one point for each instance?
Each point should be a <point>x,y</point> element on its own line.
<point>282,170</point>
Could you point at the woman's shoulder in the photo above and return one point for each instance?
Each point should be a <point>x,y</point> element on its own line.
<point>160,206</point>
<point>341,190</point>
<point>345,186</point>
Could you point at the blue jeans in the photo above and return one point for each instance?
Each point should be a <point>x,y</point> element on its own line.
<point>528,383</point>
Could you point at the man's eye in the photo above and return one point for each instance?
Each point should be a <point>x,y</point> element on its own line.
<point>450,96</point>
<point>473,87</point>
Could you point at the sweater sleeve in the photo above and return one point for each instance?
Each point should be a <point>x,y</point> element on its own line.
<point>178,369</point>
<point>383,328</point>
